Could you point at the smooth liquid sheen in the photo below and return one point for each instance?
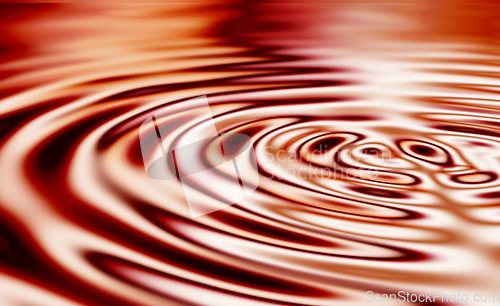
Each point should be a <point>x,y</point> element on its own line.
<point>376,136</point>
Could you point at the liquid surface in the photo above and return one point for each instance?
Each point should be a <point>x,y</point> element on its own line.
<point>375,128</point>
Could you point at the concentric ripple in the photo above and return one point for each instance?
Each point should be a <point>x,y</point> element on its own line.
<point>375,134</point>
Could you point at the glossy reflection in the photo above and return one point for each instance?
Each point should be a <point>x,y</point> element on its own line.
<point>374,126</point>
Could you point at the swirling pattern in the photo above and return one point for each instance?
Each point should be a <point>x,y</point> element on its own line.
<point>375,135</point>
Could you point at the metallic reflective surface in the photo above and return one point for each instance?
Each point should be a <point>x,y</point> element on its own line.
<point>374,126</point>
